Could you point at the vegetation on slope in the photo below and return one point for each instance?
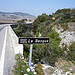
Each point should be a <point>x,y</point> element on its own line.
<point>48,53</point>
<point>20,68</point>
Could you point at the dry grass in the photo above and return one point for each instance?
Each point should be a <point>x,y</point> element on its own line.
<point>65,66</point>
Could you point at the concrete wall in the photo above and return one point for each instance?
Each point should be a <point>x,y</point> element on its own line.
<point>18,48</point>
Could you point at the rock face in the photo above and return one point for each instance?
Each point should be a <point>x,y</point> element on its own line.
<point>67,36</point>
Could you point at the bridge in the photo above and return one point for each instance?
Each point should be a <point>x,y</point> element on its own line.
<point>8,48</point>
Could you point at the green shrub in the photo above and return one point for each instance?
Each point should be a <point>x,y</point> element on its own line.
<point>37,34</point>
<point>64,26</point>
<point>20,68</point>
<point>71,52</point>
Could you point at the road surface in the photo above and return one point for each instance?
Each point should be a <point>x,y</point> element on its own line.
<point>7,55</point>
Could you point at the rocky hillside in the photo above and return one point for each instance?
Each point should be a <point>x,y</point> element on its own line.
<point>63,21</point>
<point>60,52</point>
<point>68,35</point>
<point>60,28</point>
<point>7,17</point>
<point>65,25</point>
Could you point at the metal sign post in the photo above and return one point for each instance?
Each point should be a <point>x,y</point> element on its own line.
<point>30,57</point>
<point>32,41</point>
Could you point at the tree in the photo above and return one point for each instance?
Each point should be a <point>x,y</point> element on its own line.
<point>38,52</point>
<point>71,52</point>
<point>21,28</point>
<point>41,20</point>
<point>48,52</point>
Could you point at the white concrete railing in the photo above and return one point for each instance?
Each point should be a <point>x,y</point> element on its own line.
<point>18,48</point>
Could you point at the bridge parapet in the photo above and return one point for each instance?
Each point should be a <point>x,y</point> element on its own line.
<point>18,48</point>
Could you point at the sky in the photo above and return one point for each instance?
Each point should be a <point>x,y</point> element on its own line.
<point>35,7</point>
